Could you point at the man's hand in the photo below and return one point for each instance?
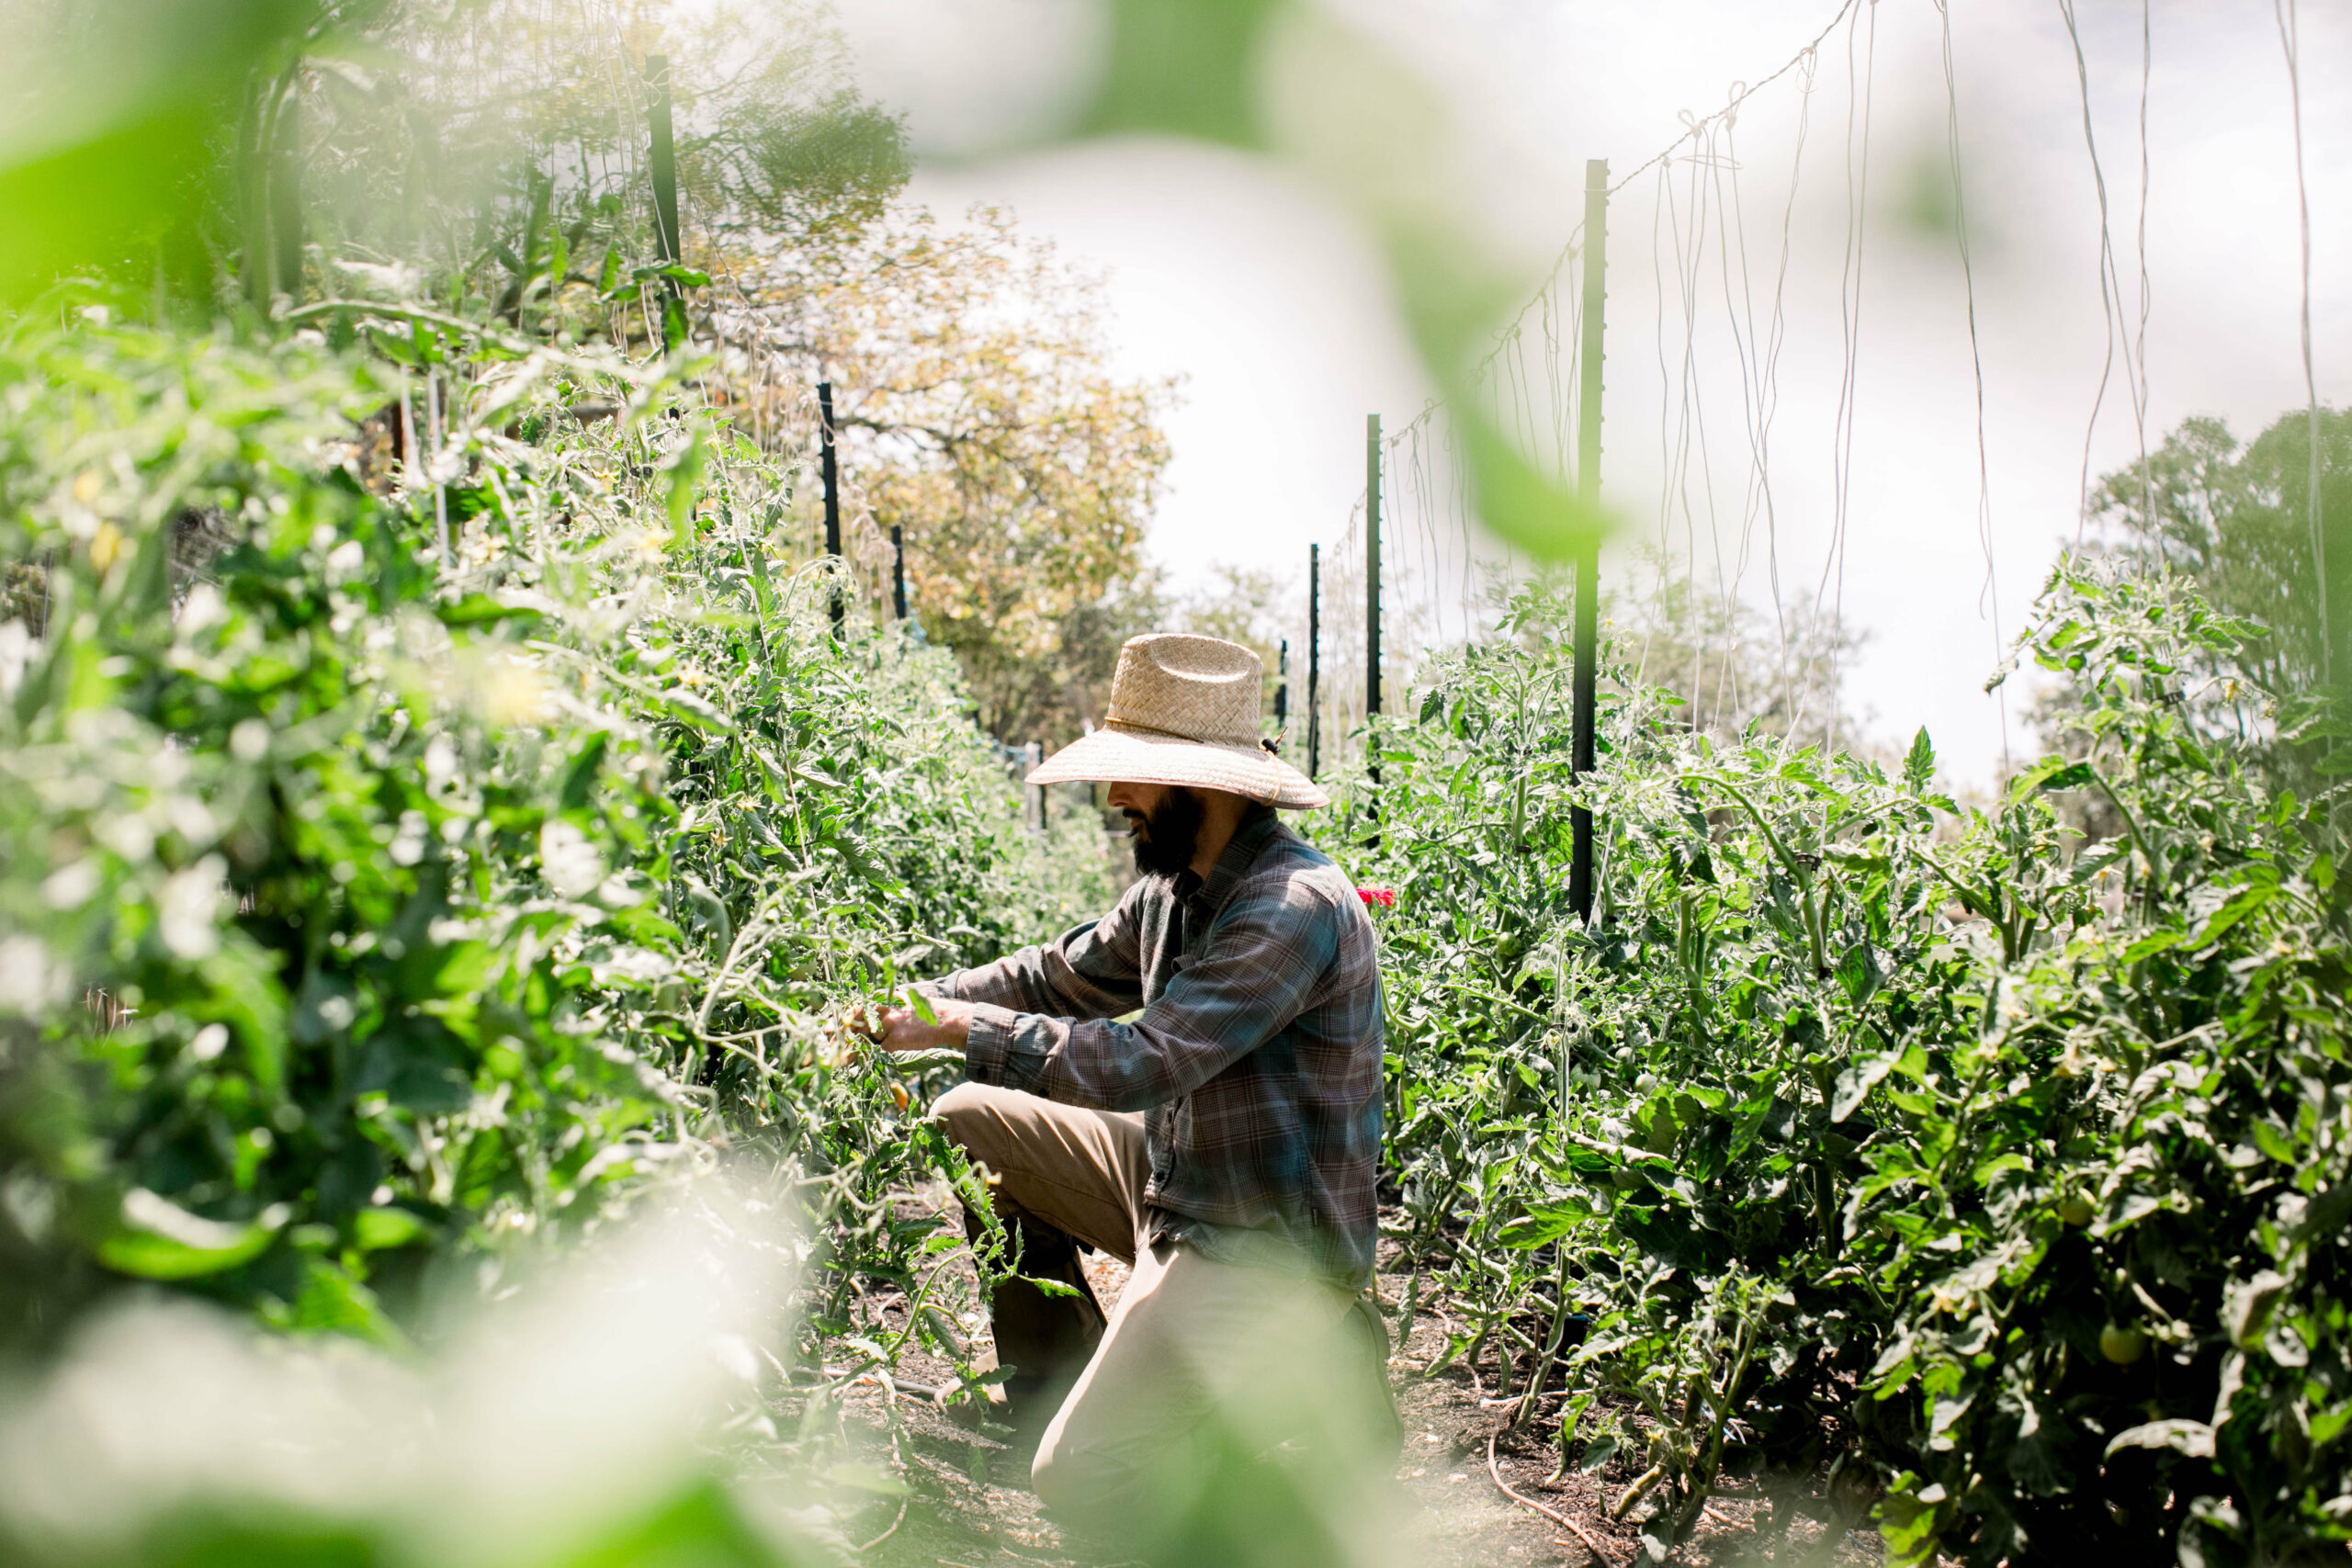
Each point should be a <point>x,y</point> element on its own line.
<point>898,1029</point>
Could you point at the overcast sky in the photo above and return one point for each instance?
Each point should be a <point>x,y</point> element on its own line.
<point>1274,308</point>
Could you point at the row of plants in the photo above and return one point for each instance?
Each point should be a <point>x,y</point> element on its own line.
<point>1991,1172</point>
<point>443,794</point>
<point>411,857</point>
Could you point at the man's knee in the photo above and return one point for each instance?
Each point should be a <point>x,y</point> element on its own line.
<point>1089,1487</point>
<point>973,1114</point>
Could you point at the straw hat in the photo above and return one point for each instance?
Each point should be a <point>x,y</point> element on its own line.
<point>1183,711</point>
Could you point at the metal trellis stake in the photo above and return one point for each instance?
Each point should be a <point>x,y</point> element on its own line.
<point>830,466</point>
<point>1596,263</point>
<point>1372,612</point>
<point>663,162</point>
<point>1282,687</point>
<point>899,571</point>
<point>1314,655</point>
<point>1372,567</point>
<point>285,198</point>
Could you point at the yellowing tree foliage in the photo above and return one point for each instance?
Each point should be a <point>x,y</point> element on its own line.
<point>977,414</point>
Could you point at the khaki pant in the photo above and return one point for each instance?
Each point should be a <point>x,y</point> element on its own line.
<point>1165,1445</point>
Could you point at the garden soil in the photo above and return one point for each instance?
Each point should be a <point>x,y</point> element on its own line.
<point>970,1505</point>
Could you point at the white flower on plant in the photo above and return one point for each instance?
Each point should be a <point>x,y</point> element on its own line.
<point>573,865</point>
<point>188,913</point>
<point>128,835</point>
<point>408,843</point>
<point>15,651</point>
<point>248,741</point>
<point>70,886</point>
<point>31,979</point>
<point>514,691</point>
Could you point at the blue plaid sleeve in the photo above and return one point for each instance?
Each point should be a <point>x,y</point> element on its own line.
<point>1089,971</point>
<point>1258,969</point>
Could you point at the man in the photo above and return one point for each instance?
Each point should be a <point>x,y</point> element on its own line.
<point>1223,1138</point>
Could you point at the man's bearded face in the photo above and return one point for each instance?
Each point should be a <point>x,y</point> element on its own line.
<point>1168,835</point>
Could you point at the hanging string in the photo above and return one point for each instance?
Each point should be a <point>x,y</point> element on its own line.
<point>1679,449</point>
<point>2111,286</point>
<point>1662,194</point>
<point>1732,229</point>
<point>1745,91</point>
<point>2289,38</point>
<point>1849,310</point>
<point>1694,414</point>
<point>1511,385</point>
<point>1743,95</point>
<point>1988,602</point>
<point>1768,394</point>
<point>2140,342</point>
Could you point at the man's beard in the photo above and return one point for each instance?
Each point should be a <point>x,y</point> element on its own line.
<point>1167,837</point>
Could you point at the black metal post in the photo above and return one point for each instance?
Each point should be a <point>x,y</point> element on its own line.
<point>1595,274</point>
<point>285,197</point>
<point>830,466</point>
<point>1371,566</point>
<point>663,163</point>
<point>1282,687</point>
<point>1314,655</point>
<point>1371,616</point>
<point>899,571</point>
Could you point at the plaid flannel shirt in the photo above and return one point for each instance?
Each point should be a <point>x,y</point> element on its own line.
<point>1256,1060</point>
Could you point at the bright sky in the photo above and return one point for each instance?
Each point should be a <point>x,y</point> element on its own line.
<point>1272,306</point>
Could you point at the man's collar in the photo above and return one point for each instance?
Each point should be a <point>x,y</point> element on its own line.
<point>1206,896</point>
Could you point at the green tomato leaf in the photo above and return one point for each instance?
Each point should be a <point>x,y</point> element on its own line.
<point>157,1239</point>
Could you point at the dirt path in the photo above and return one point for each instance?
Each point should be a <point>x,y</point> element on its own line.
<point>971,1506</point>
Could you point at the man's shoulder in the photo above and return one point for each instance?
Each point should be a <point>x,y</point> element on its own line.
<point>1290,869</point>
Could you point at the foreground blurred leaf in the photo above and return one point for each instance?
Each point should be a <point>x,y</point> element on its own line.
<point>1183,68</point>
<point>160,1240</point>
<point>111,129</point>
<point>1271,76</point>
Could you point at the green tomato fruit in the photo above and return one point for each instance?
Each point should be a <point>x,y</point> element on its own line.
<point>2076,1209</point>
<point>2121,1346</point>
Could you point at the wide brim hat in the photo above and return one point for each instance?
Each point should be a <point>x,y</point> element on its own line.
<point>1184,712</point>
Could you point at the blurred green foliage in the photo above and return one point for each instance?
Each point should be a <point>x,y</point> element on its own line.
<point>1300,86</point>
<point>370,907</point>
<point>108,164</point>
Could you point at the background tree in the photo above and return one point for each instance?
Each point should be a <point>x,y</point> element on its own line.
<point>1734,668</point>
<point>2230,522</point>
<point>2233,520</point>
<point>977,416</point>
<point>1727,667</point>
<point>490,159</point>
<point>496,154</point>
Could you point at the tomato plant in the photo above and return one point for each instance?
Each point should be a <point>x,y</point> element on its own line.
<point>1983,1168</point>
<point>406,864</point>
